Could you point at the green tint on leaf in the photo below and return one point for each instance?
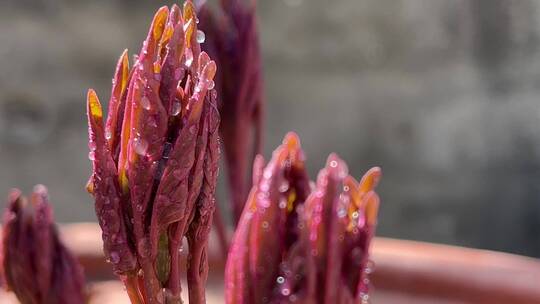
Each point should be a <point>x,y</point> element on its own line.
<point>163,260</point>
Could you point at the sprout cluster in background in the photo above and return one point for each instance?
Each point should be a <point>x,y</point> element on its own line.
<point>299,242</point>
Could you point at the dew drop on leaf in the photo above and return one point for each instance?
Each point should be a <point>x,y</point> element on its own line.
<point>145,103</point>
<point>200,36</point>
<point>140,146</point>
<point>108,134</point>
<point>92,145</point>
<point>176,107</point>
<point>189,57</point>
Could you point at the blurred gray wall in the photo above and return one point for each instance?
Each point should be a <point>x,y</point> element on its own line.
<point>441,94</point>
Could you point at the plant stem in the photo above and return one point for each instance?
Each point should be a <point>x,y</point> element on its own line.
<point>175,243</point>
<point>132,287</point>
<point>197,273</point>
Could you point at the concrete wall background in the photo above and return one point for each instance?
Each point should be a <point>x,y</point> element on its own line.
<point>442,94</point>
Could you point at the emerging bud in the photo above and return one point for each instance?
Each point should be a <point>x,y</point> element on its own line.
<point>233,40</point>
<point>155,160</point>
<point>38,268</point>
<point>295,244</point>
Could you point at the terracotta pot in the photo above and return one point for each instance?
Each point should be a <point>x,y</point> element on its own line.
<point>405,272</point>
<point>461,275</point>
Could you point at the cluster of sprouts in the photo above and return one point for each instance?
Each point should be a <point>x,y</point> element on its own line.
<point>36,265</point>
<point>299,241</point>
<point>155,161</point>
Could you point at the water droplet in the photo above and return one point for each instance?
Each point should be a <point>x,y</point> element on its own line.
<point>189,57</point>
<point>265,203</point>
<point>115,258</point>
<point>341,212</point>
<point>285,291</point>
<point>211,84</point>
<point>200,36</point>
<point>171,298</point>
<point>152,122</point>
<point>265,187</point>
<point>92,145</point>
<point>355,215</point>
<point>145,103</point>
<point>161,296</point>
<point>176,108</point>
<point>346,188</point>
<point>284,186</point>
<point>333,164</point>
<point>92,155</point>
<point>369,267</point>
<point>280,280</point>
<point>108,134</point>
<point>265,225</point>
<point>140,145</point>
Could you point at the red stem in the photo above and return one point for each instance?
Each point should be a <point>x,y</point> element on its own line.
<point>175,244</point>
<point>132,287</point>
<point>151,283</point>
<point>196,274</point>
